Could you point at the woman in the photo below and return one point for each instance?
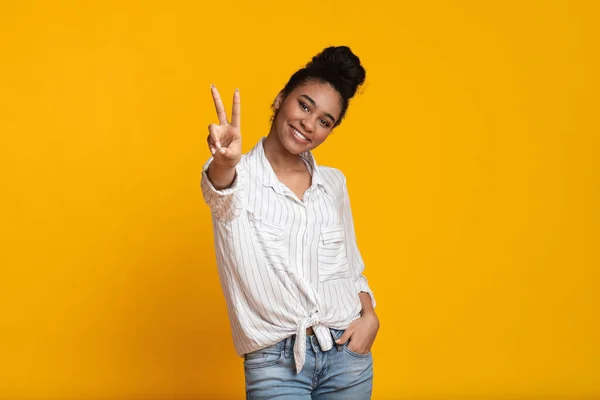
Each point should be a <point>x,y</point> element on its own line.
<point>301,311</point>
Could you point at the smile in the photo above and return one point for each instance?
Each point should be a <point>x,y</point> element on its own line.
<point>299,135</point>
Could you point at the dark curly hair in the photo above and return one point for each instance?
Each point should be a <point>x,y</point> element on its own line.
<point>337,66</point>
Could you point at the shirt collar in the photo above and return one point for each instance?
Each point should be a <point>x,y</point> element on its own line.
<point>269,176</point>
<point>314,169</point>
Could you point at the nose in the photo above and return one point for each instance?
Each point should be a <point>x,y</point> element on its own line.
<point>308,125</point>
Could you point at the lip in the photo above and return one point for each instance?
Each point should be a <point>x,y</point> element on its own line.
<point>302,133</point>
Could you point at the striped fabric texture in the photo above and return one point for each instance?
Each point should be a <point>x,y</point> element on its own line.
<point>285,263</point>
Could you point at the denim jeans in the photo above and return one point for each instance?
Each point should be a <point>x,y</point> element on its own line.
<point>338,373</point>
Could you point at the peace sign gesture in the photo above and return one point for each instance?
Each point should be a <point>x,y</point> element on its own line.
<point>225,139</point>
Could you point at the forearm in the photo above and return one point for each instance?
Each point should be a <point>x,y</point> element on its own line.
<point>220,177</point>
<point>365,301</point>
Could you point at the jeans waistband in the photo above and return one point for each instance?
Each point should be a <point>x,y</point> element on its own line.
<point>311,341</point>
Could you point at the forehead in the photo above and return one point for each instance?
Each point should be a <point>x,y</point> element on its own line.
<point>327,99</point>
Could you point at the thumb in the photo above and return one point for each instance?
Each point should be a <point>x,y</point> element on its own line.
<point>226,152</point>
<point>344,338</point>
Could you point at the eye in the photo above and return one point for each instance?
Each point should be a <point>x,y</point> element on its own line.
<point>325,123</point>
<point>303,106</point>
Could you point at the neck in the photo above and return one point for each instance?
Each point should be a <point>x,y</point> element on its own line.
<point>279,157</point>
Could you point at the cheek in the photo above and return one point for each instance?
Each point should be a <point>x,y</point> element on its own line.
<point>283,116</point>
<point>293,111</point>
<point>321,136</point>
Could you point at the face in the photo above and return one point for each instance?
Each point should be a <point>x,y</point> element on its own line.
<point>306,116</point>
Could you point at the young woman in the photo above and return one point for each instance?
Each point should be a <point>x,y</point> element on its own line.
<point>300,309</point>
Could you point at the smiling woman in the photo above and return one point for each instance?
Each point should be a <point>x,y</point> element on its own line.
<point>290,268</point>
<point>304,118</point>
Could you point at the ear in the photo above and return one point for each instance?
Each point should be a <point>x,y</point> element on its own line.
<point>278,100</point>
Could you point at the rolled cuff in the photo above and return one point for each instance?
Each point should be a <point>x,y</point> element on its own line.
<point>362,285</point>
<point>226,204</point>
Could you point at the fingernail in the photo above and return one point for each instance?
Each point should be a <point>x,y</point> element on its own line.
<point>212,85</point>
<point>237,90</point>
<point>212,150</point>
<point>222,151</point>
<point>338,341</point>
<point>218,145</point>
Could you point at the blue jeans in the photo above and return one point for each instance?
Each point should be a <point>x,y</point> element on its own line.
<point>338,373</point>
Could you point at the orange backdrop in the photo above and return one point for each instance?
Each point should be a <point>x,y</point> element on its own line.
<point>472,159</point>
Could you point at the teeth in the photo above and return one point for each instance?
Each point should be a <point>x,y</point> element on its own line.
<point>301,136</point>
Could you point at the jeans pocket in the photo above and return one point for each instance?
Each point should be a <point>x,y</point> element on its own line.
<point>333,260</point>
<point>337,334</point>
<point>354,354</point>
<point>266,357</point>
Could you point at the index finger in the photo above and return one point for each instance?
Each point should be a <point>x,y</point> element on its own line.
<point>218,105</point>
<point>235,113</point>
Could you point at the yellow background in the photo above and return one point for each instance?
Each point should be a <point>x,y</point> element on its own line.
<point>472,157</point>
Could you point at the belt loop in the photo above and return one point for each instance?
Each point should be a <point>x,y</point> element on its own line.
<point>334,334</point>
<point>288,346</point>
<point>314,343</point>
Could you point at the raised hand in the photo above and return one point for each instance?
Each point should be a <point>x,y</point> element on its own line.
<point>225,139</point>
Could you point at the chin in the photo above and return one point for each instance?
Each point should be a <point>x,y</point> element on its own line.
<point>293,147</point>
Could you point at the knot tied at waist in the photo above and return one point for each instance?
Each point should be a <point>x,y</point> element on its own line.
<point>321,332</point>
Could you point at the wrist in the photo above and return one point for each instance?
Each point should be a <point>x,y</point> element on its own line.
<point>368,313</point>
<point>221,177</point>
<point>224,166</point>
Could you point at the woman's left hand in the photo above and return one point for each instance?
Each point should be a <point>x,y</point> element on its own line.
<point>361,333</point>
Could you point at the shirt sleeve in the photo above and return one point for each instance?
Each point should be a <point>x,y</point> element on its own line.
<point>355,259</point>
<point>225,204</point>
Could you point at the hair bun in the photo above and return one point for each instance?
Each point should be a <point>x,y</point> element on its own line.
<point>341,61</point>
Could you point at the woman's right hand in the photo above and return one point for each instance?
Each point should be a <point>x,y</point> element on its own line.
<point>225,139</point>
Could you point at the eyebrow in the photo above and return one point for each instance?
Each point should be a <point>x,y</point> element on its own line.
<point>311,101</point>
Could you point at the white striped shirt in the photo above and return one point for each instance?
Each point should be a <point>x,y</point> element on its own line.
<point>284,263</point>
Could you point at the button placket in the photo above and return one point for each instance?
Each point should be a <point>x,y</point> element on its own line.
<point>300,248</point>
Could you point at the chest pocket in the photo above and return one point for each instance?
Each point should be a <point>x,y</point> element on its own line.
<point>270,239</point>
<point>333,260</point>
